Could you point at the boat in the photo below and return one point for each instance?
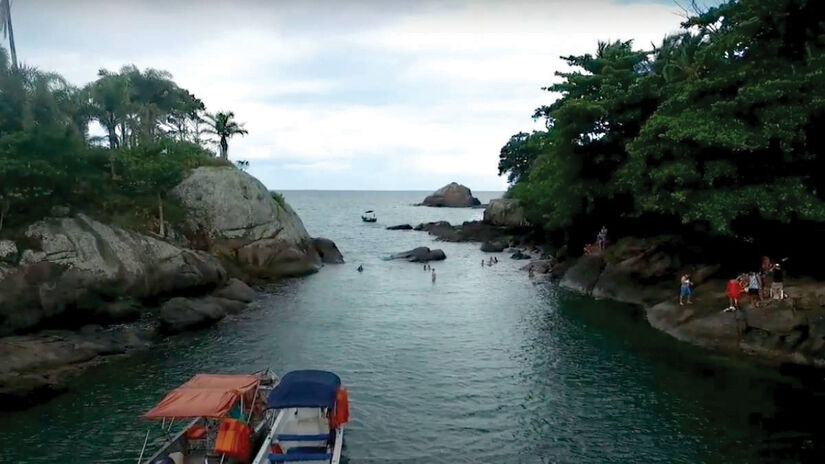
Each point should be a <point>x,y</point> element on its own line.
<point>312,409</point>
<point>369,216</point>
<point>212,418</point>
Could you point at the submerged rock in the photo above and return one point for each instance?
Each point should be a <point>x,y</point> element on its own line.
<point>452,195</point>
<point>233,215</point>
<point>420,255</point>
<point>520,255</point>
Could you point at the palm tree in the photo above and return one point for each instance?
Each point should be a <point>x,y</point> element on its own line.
<point>5,25</point>
<point>223,125</point>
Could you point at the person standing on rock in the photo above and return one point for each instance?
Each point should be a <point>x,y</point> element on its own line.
<point>778,284</point>
<point>601,238</point>
<point>753,289</point>
<point>685,291</point>
<point>734,293</point>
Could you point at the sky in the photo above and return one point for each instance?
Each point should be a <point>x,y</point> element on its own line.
<point>340,95</point>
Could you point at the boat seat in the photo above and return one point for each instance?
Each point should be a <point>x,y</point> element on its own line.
<point>298,457</point>
<point>303,437</point>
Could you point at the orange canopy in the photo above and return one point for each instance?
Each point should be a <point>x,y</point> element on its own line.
<point>204,395</point>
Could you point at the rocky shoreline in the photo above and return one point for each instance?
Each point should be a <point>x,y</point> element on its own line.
<point>645,272</point>
<point>75,291</point>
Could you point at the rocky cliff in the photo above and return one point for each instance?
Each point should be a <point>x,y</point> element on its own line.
<point>505,212</point>
<point>67,279</point>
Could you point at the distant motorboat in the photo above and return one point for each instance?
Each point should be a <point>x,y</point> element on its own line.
<point>369,216</point>
<point>312,408</point>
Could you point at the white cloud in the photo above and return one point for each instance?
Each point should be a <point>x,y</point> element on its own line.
<point>424,87</point>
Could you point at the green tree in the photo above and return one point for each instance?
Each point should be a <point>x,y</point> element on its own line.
<point>223,125</point>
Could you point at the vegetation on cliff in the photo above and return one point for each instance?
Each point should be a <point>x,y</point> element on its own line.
<point>717,132</point>
<point>49,156</point>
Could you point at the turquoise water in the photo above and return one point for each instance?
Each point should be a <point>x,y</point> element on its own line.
<point>485,365</point>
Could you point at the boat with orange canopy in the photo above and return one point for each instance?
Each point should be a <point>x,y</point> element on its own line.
<point>219,418</point>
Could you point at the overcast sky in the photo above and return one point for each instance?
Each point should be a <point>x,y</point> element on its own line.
<point>344,94</point>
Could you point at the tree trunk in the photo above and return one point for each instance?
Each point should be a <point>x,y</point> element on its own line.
<point>12,48</point>
<point>4,207</point>
<point>161,227</point>
<point>224,149</point>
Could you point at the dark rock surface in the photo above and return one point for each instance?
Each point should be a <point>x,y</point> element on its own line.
<point>180,314</point>
<point>400,227</point>
<point>452,195</point>
<point>328,251</point>
<point>236,290</point>
<point>420,255</point>
<point>493,246</point>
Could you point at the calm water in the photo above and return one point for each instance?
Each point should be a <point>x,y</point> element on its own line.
<point>482,366</point>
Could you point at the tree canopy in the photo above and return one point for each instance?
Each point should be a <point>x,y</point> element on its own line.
<point>48,158</point>
<point>717,130</point>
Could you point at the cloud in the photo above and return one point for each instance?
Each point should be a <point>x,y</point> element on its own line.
<point>414,93</point>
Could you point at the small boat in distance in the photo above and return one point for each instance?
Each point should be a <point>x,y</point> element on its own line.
<point>369,216</point>
<point>220,419</point>
<point>312,408</point>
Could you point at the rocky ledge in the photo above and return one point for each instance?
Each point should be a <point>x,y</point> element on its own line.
<point>646,272</point>
<point>71,273</point>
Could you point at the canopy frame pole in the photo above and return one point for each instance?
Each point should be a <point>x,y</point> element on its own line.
<point>143,449</point>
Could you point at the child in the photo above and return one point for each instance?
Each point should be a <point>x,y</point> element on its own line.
<point>685,291</point>
<point>753,289</point>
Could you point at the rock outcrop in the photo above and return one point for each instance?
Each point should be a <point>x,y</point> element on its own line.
<point>420,255</point>
<point>452,195</point>
<point>505,212</point>
<point>400,227</point>
<point>327,251</point>
<point>84,269</point>
<point>232,215</point>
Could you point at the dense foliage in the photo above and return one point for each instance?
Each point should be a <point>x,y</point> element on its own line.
<point>716,131</point>
<point>47,157</point>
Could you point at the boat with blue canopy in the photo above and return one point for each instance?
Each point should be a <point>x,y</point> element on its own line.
<point>312,409</point>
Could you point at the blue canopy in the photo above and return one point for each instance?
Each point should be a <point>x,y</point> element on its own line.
<point>305,389</point>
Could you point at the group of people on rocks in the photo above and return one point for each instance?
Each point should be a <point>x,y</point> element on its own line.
<point>599,245</point>
<point>490,262</point>
<point>768,283</point>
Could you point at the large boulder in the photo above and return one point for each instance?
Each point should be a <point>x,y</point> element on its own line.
<point>82,265</point>
<point>179,314</point>
<point>8,251</point>
<point>328,251</point>
<point>420,255</point>
<point>452,195</point>
<point>493,246</point>
<point>584,274</point>
<point>505,212</point>
<point>236,290</point>
<point>233,215</point>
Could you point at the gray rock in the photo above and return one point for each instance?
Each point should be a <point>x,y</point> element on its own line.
<point>180,314</point>
<point>400,227</point>
<point>236,290</point>
<point>84,263</point>
<point>505,212</point>
<point>233,215</point>
<point>327,250</point>
<point>452,195</point>
<point>420,255</point>
<point>493,246</point>
<point>520,255</point>
<point>61,211</point>
<point>583,275</point>
<point>8,252</point>
<point>228,306</point>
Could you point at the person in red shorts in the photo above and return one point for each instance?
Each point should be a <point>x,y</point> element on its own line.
<point>734,292</point>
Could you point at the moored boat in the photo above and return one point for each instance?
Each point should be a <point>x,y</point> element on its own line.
<point>369,216</point>
<point>312,408</point>
<point>212,418</point>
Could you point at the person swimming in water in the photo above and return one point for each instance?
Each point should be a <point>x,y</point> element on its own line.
<point>433,275</point>
<point>482,263</point>
<point>360,268</point>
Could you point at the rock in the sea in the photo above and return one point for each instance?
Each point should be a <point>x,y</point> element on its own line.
<point>520,255</point>
<point>400,227</point>
<point>420,255</point>
<point>328,251</point>
<point>180,314</point>
<point>236,290</point>
<point>233,215</point>
<point>83,263</point>
<point>452,195</point>
<point>505,212</point>
<point>8,251</point>
<point>493,246</point>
